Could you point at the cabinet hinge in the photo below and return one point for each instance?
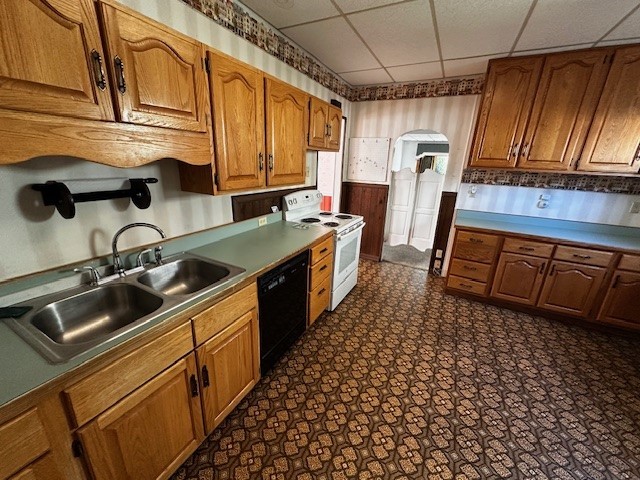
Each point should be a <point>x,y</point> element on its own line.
<point>207,65</point>
<point>77,448</point>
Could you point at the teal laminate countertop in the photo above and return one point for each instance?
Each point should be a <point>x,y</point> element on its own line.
<point>597,235</point>
<point>23,370</point>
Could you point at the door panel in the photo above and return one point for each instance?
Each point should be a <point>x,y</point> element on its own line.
<point>318,123</point>
<point>622,304</point>
<point>403,191</point>
<point>426,208</point>
<point>518,278</point>
<point>146,58</point>
<point>566,99</point>
<point>286,121</point>
<point>149,433</point>
<point>47,59</point>
<point>506,104</point>
<point>229,368</point>
<point>571,288</point>
<point>238,113</point>
<point>613,144</point>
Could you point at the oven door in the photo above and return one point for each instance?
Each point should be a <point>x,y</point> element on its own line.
<point>347,253</point>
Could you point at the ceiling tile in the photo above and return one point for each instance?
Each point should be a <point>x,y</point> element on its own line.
<point>539,51</point>
<point>281,13</point>
<point>468,66</point>
<point>569,22</point>
<point>414,73</point>
<point>609,43</point>
<point>630,28</point>
<point>399,34</point>
<point>481,27</point>
<point>349,6</point>
<point>367,77</point>
<point>334,43</point>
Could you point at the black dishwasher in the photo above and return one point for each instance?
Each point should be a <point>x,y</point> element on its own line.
<point>282,298</point>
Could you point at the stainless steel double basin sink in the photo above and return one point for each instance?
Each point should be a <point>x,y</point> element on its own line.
<point>63,325</point>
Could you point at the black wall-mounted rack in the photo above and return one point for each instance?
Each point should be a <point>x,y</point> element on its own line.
<point>59,195</point>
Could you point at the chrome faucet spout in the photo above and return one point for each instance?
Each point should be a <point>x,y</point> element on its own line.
<point>118,267</point>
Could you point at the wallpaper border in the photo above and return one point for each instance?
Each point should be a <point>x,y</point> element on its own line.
<point>233,17</point>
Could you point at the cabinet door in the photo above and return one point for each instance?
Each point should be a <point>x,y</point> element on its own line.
<point>571,288</point>
<point>318,123</point>
<point>564,105</point>
<point>51,59</point>
<point>238,112</point>
<point>506,104</point>
<point>149,433</point>
<point>286,122</point>
<point>335,128</point>
<point>519,278</point>
<point>622,304</point>
<point>613,144</point>
<point>158,74</point>
<point>229,368</point>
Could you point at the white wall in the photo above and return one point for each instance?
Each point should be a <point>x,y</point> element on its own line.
<point>592,207</point>
<point>35,238</point>
<point>451,116</point>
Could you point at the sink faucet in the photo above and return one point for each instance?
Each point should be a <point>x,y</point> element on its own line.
<point>118,267</point>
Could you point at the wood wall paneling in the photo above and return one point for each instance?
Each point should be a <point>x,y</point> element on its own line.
<point>443,226</point>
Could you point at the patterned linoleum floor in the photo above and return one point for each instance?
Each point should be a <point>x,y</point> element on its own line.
<point>405,382</point>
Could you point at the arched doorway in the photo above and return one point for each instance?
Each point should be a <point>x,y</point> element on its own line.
<point>419,164</point>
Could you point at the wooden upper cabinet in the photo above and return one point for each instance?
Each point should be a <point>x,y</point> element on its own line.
<point>565,101</point>
<point>238,112</point>
<point>506,104</point>
<point>51,59</point>
<point>286,109</point>
<point>158,74</point>
<point>335,128</point>
<point>318,123</point>
<point>613,143</point>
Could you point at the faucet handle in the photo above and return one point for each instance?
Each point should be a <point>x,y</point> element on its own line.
<point>140,257</point>
<point>158,254</point>
<point>95,275</point>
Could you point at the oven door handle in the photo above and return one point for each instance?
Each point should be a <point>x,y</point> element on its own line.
<point>350,233</point>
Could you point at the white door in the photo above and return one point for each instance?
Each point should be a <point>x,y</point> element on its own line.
<point>427,203</point>
<point>403,190</point>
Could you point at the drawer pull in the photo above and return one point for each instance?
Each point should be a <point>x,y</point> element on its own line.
<point>324,250</point>
<point>205,377</point>
<point>323,267</point>
<point>467,267</point>
<point>322,291</point>
<point>581,257</point>
<point>475,240</point>
<point>465,285</point>
<point>194,386</point>
<point>527,249</point>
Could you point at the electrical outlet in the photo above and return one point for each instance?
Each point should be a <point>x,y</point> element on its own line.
<point>472,191</point>
<point>635,207</point>
<point>437,264</point>
<point>262,221</point>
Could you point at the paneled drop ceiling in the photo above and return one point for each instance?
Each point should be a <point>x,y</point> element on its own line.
<point>370,42</point>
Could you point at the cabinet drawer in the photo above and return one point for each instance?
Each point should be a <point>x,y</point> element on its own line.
<point>583,255</point>
<point>22,440</point>
<point>466,285</point>
<point>630,262</point>
<point>319,299</point>
<point>320,271</point>
<point>527,247</point>
<point>477,247</point>
<point>321,250</point>
<point>467,269</point>
<point>99,391</point>
<point>215,319</point>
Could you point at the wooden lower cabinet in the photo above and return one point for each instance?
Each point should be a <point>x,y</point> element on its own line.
<point>519,278</point>
<point>44,468</point>
<point>622,304</point>
<point>149,433</point>
<point>571,288</point>
<point>229,368</point>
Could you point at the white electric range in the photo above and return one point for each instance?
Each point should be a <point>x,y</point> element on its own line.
<point>303,209</point>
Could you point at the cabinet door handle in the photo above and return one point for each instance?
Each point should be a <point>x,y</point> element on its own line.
<point>194,386</point>
<point>271,162</point>
<point>330,130</point>
<point>552,271</point>
<point>119,66</point>
<point>261,161</point>
<point>514,150</point>
<point>527,249</point>
<point>101,83</point>
<point>205,377</point>
<point>582,257</point>
<point>542,267</point>
<point>467,267</point>
<point>475,240</point>
<point>615,281</point>
<point>525,150</point>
